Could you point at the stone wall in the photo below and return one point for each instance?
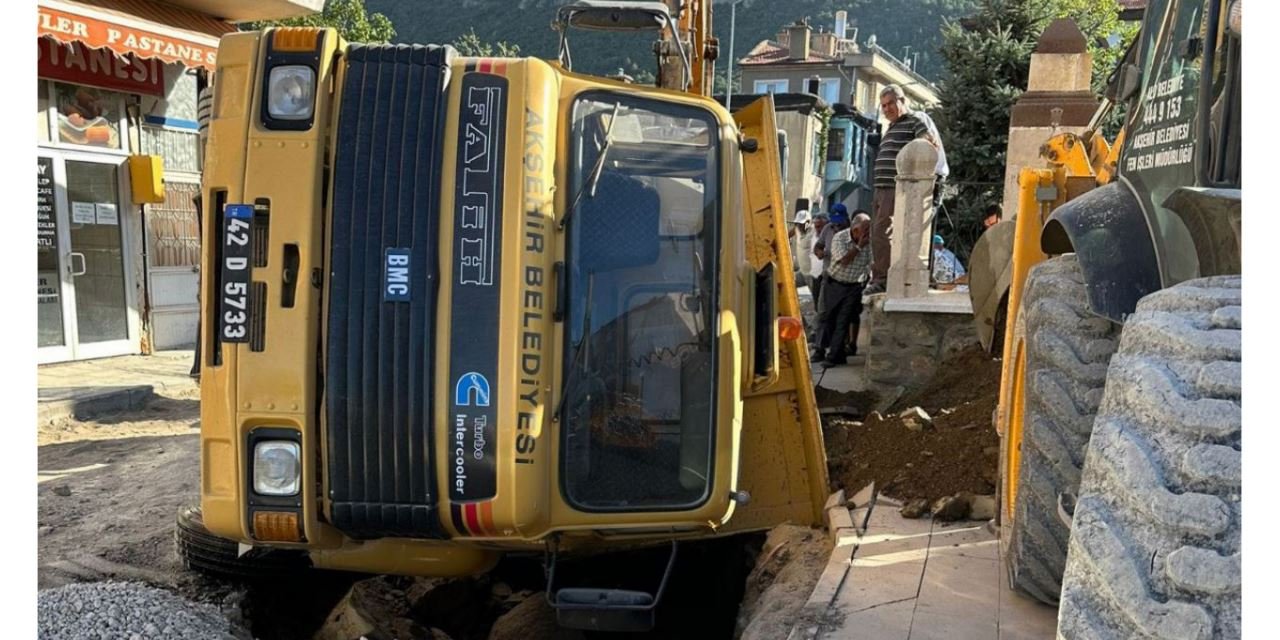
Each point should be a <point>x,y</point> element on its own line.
<point>907,346</point>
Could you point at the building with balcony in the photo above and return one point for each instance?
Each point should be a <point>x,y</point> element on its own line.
<point>834,65</point>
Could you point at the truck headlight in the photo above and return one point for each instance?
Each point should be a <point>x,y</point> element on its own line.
<point>291,92</point>
<point>277,468</point>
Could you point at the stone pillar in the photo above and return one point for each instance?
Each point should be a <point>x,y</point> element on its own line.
<point>912,221</point>
<point>1061,69</point>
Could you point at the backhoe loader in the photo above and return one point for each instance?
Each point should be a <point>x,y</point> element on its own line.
<point>1117,294</point>
<point>459,307</point>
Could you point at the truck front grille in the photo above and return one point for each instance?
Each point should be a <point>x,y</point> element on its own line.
<point>382,291</point>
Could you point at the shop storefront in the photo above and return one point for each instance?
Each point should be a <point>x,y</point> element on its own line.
<point>117,269</point>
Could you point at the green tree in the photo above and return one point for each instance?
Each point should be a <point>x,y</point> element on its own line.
<point>719,86</point>
<point>470,44</point>
<point>1099,20</point>
<point>987,58</point>
<point>349,17</point>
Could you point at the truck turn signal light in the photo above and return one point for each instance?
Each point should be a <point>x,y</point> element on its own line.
<point>295,38</point>
<point>790,328</point>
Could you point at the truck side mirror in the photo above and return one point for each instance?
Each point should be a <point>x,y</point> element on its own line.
<point>1130,81</point>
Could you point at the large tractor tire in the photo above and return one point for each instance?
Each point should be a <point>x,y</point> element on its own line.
<point>1067,349</point>
<point>1155,543</point>
<point>203,551</point>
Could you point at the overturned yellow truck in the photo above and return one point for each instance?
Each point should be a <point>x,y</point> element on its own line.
<point>456,307</point>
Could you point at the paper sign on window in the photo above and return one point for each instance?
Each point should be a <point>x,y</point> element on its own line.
<point>106,214</point>
<point>83,213</point>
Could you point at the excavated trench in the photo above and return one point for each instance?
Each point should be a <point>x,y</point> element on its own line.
<point>701,600</point>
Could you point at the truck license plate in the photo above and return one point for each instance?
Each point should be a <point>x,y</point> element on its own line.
<point>233,311</point>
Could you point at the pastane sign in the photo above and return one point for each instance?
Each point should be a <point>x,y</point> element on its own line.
<point>102,68</point>
<point>124,39</point>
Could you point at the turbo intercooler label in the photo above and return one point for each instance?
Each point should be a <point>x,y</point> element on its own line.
<point>477,234</point>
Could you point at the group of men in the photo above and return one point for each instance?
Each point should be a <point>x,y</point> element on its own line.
<point>843,258</point>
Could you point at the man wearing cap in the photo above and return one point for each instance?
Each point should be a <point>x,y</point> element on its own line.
<point>813,277</point>
<point>803,238</point>
<point>946,266</point>
<point>822,248</point>
<point>845,279</point>
<point>837,222</point>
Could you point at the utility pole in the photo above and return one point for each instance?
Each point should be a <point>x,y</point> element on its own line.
<point>728,74</point>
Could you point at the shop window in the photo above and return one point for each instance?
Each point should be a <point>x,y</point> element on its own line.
<point>180,149</point>
<point>42,111</point>
<point>173,231</point>
<point>89,116</point>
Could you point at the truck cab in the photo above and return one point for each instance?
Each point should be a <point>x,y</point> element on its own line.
<point>461,306</point>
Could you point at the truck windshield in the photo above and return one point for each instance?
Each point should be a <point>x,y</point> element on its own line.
<point>638,409</point>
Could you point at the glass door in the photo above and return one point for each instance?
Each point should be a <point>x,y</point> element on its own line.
<point>93,316</point>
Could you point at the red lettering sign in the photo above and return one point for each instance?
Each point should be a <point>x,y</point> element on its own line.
<point>102,68</point>
<point>69,27</point>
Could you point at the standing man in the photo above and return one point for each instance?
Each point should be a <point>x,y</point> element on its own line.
<point>845,280</point>
<point>905,125</point>
<point>822,249</point>
<point>802,247</point>
<point>839,222</point>
<point>814,275</point>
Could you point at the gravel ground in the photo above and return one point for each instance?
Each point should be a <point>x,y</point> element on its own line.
<point>127,610</point>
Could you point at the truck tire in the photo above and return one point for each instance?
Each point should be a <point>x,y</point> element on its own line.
<point>200,550</point>
<point>1067,350</point>
<point>1155,543</point>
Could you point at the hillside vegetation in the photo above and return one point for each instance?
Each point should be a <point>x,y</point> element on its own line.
<point>527,23</point>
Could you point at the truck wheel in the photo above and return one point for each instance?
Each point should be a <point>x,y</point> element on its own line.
<point>200,550</point>
<point>1067,349</point>
<point>1155,544</point>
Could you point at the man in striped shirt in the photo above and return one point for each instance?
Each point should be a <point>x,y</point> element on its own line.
<point>904,126</point>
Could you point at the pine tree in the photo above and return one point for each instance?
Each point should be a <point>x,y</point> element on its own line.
<point>987,57</point>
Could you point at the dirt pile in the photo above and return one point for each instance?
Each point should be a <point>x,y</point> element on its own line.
<point>954,450</point>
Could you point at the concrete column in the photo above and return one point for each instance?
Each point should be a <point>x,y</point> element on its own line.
<point>912,220</point>
<point>1061,69</point>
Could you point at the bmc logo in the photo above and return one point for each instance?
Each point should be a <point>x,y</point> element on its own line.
<point>395,276</point>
